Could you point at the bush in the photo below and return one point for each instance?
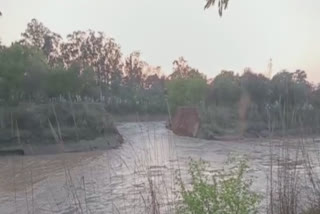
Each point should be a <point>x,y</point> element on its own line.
<point>225,193</point>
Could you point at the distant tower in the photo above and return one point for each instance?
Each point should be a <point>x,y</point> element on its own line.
<point>269,71</point>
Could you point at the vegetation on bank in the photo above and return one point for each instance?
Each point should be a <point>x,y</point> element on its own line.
<point>292,185</point>
<point>251,103</point>
<point>90,67</point>
<point>56,123</point>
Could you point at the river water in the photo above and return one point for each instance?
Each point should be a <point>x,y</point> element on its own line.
<point>133,178</point>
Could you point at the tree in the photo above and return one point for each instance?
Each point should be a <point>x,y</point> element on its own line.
<point>41,37</point>
<point>290,98</point>
<point>188,91</point>
<point>17,63</point>
<point>94,49</point>
<point>89,87</point>
<point>225,89</point>
<point>290,89</point>
<point>222,5</point>
<point>257,87</point>
<point>154,82</point>
<point>112,63</point>
<point>186,85</point>
<point>133,68</point>
<point>61,82</point>
<point>315,97</point>
<point>181,69</point>
<point>2,47</point>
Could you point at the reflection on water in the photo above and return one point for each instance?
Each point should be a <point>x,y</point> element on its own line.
<point>121,180</point>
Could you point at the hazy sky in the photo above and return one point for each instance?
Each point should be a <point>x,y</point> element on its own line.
<point>249,33</point>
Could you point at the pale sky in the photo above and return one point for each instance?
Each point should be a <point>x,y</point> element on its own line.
<point>249,33</point>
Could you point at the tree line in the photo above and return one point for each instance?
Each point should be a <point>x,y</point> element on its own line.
<point>89,66</point>
<point>250,101</point>
<point>41,67</point>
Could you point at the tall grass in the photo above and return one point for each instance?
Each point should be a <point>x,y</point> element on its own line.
<point>293,180</point>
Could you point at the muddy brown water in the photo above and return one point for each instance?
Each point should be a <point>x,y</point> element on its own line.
<point>120,180</point>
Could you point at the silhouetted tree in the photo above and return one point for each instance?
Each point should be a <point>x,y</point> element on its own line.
<point>94,49</point>
<point>39,36</point>
<point>225,89</point>
<point>133,68</point>
<point>257,87</point>
<point>181,69</point>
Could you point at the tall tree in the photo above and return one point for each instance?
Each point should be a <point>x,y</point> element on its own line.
<point>291,90</point>
<point>111,62</point>
<point>225,89</point>
<point>133,68</point>
<point>257,87</point>
<point>41,37</point>
<point>17,64</point>
<point>94,49</point>
<point>181,69</point>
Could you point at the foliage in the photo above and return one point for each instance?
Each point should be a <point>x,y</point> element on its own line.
<point>286,102</point>
<point>256,86</point>
<point>87,66</point>
<point>185,86</point>
<point>223,193</point>
<point>222,5</point>
<point>225,89</point>
<point>291,89</point>
<point>93,49</point>
<point>189,91</point>
<point>182,70</point>
<point>62,82</point>
<point>17,64</point>
<point>40,37</point>
<point>133,69</point>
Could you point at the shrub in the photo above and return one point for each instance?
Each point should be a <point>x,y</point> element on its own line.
<point>223,193</point>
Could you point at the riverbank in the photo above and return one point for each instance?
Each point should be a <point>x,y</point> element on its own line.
<point>99,143</point>
<point>57,127</point>
<point>139,117</point>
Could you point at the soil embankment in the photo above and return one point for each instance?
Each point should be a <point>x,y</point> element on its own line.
<point>60,127</point>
